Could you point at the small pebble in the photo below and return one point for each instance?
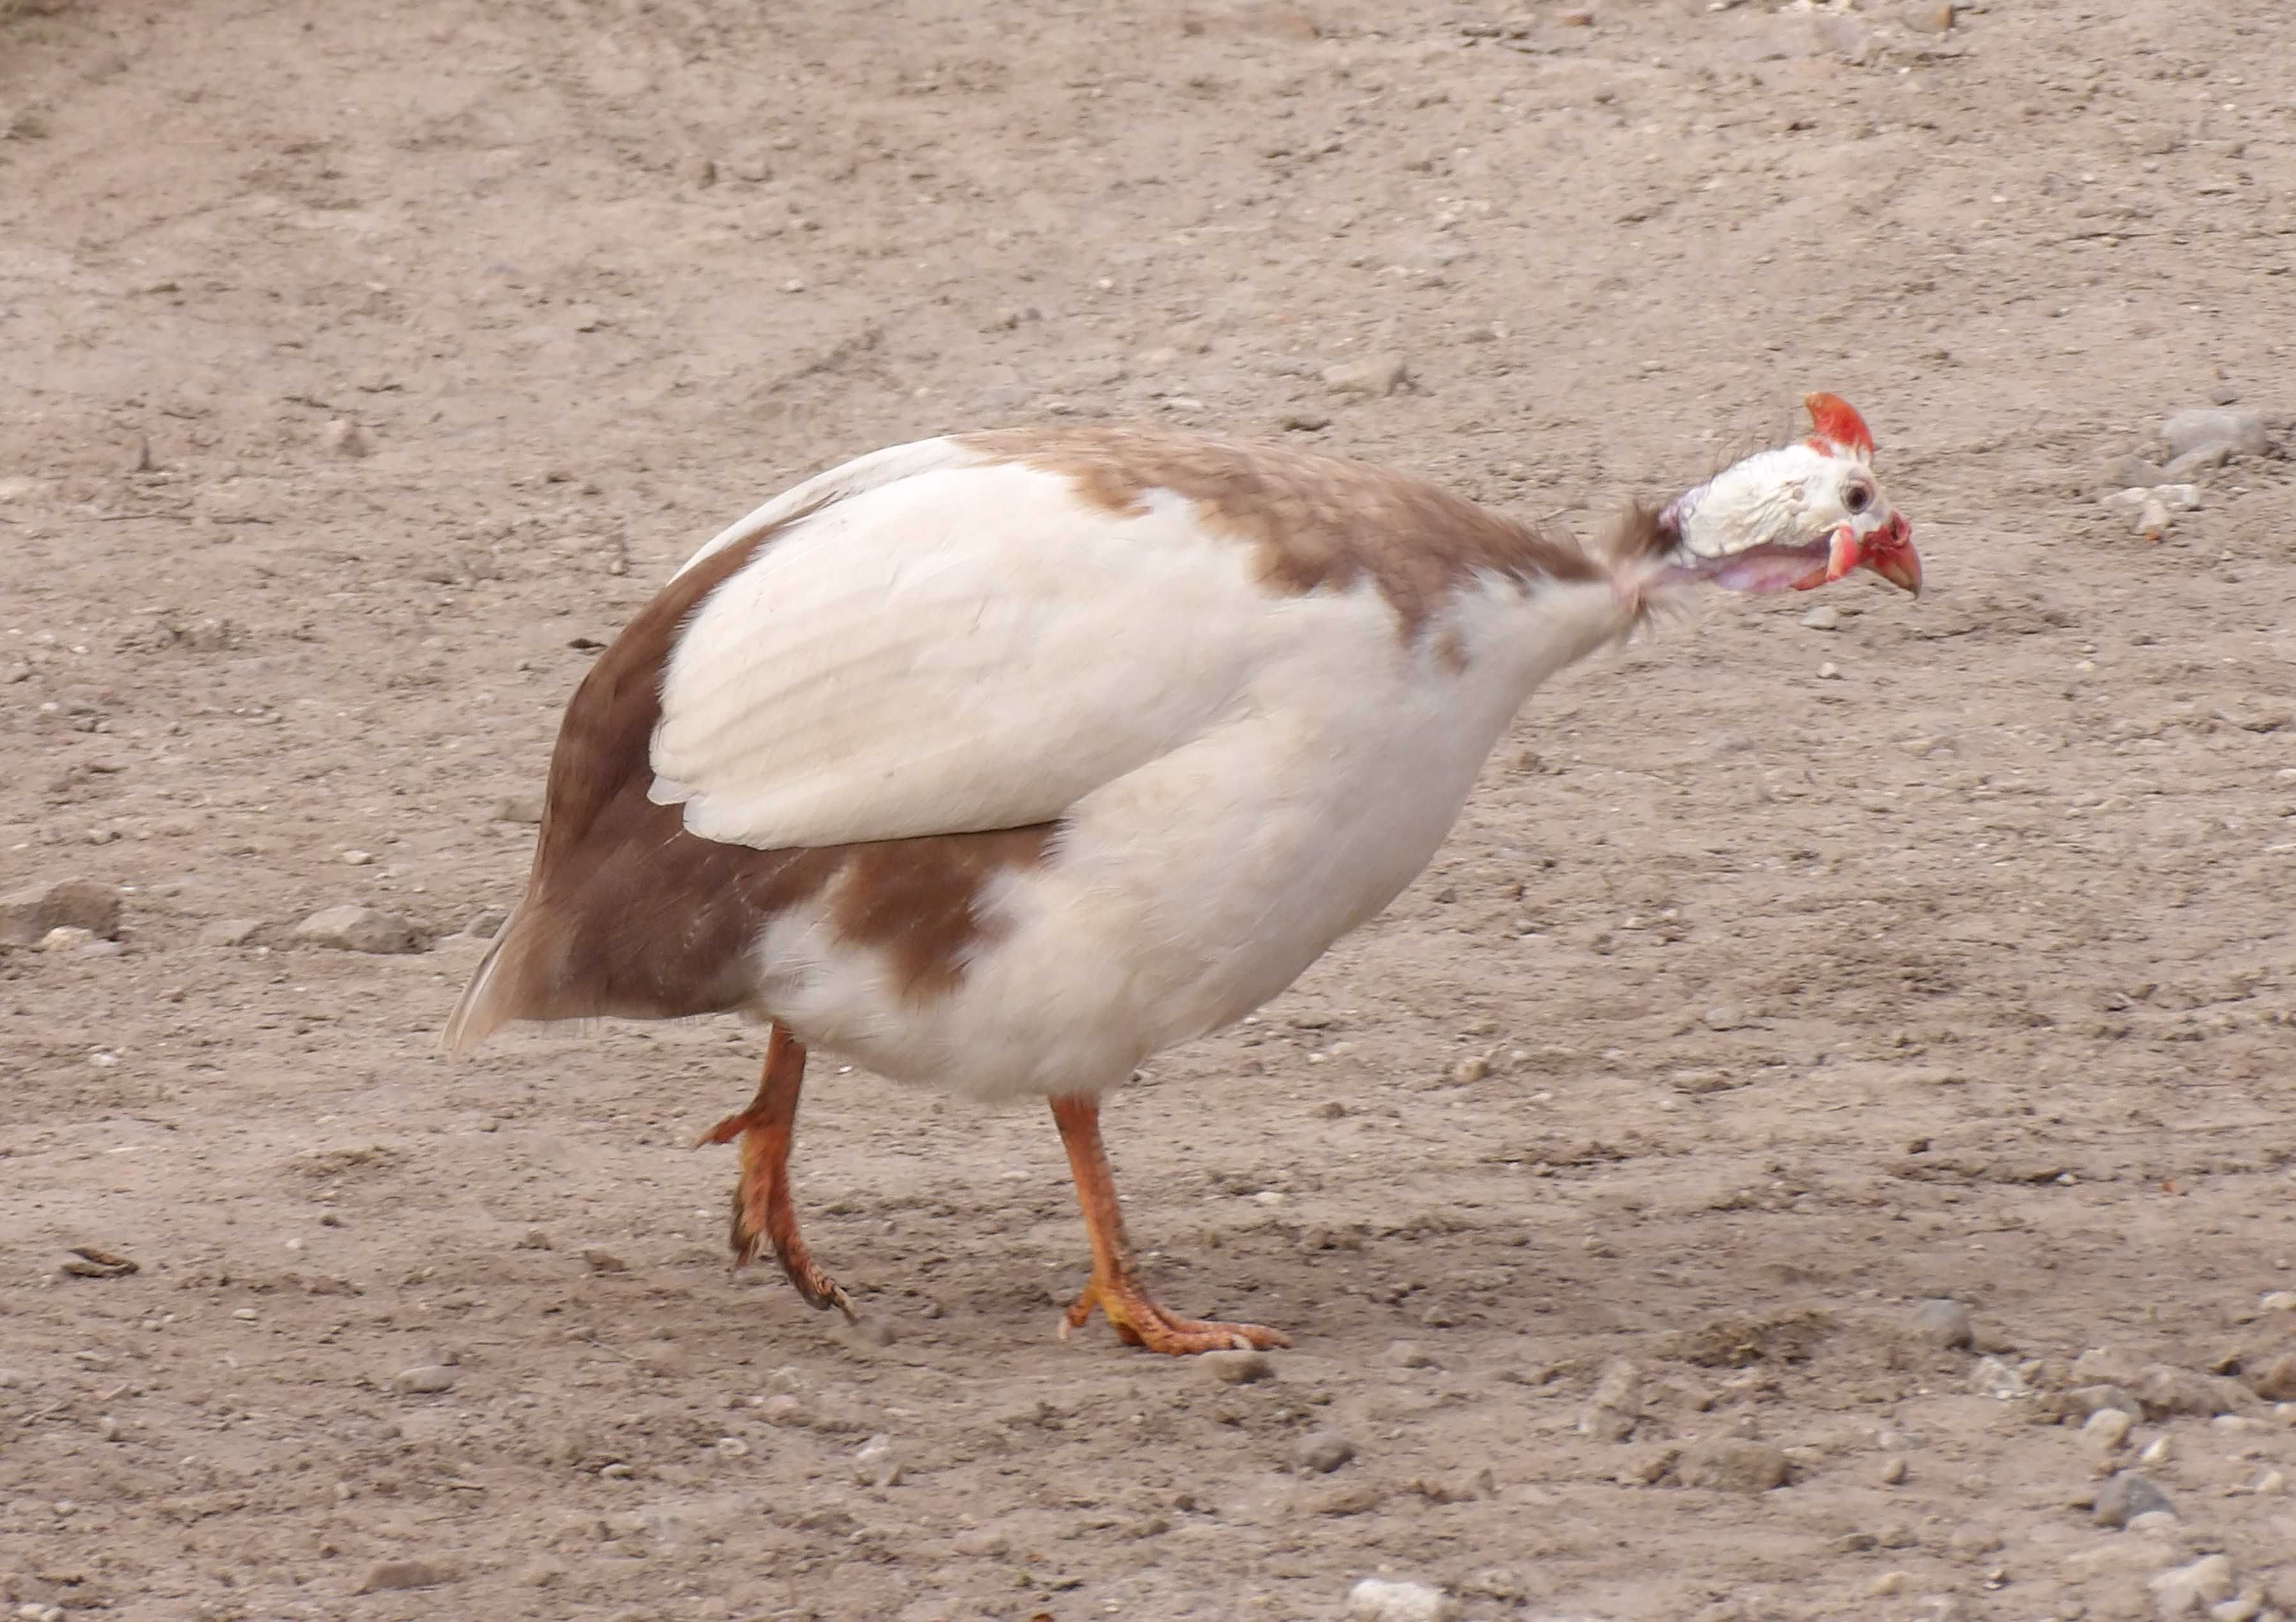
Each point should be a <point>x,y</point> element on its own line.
<point>1991,1377</point>
<point>1973,1542</point>
<point>229,932</point>
<point>2244,432</point>
<point>357,928</point>
<point>1731,1464</point>
<point>1943,1323</point>
<point>1893,1469</point>
<point>359,858</point>
<point>2133,473</point>
<point>2103,1365</point>
<point>877,1465</point>
<point>2104,1434</point>
<point>2275,1382</point>
<point>396,1574</point>
<point>1410,1355</point>
<point>980,1541</point>
<point>346,437</point>
<point>1888,1583</point>
<point>1829,672</point>
<point>2124,1497</point>
<point>2204,459</point>
<point>1824,617</point>
<point>1236,1368</point>
<point>1379,374</point>
<point>2182,1589</point>
<point>1616,1406</point>
<point>425,1380</point>
<point>604,1261</point>
<point>1321,1452</point>
<point>2088,1400</point>
<point>1374,1600</point>
<point>781,1410</point>
<point>1986,1338</point>
<point>2159,1450</point>
<point>28,916</point>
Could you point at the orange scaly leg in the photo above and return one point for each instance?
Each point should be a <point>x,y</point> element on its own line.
<point>761,1198</point>
<point>1116,1288</point>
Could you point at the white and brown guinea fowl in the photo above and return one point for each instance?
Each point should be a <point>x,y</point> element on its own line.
<point>1000,762</point>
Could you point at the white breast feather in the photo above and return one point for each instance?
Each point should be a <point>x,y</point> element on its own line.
<point>969,648</point>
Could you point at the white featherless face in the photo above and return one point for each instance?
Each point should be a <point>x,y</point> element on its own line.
<point>1798,516</point>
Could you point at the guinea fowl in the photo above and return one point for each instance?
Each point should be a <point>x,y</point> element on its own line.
<point>1000,762</point>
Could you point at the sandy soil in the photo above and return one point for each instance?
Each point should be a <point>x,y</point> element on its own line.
<point>1777,979</point>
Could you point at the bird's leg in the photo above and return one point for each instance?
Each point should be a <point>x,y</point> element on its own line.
<point>1116,1288</point>
<point>761,1198</point>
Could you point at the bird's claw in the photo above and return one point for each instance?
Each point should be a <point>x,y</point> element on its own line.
<point>1140,1321</point>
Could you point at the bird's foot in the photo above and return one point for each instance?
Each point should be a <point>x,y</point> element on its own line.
<point>762,1215</point>
<point>1138,1321</point>
<point>763,1211</point>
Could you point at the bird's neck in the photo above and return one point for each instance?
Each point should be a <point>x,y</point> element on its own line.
<point>1508,638</point>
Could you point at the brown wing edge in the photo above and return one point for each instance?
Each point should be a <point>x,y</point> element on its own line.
<point>601,760</point>
<point>628,914</point>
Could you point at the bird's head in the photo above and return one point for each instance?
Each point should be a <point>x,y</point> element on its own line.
<point>1798,517</point>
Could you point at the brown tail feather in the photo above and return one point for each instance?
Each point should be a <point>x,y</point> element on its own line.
<point>487,1003</point>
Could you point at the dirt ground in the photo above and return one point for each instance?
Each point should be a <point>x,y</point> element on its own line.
<point>1777,979</point>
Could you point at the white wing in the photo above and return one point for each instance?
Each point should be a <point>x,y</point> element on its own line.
<point>847,478</point>
<point>967,647</point>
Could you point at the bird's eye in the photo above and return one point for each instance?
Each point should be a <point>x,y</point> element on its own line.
<point>1858,497</point>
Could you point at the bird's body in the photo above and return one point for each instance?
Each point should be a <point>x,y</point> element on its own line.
<point>1103,777</point>
<point>1000,762</point>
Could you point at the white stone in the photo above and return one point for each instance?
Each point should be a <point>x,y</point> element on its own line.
<point>2182,1589</point>
<point>1374,1599</point>
<point>2105,1433</point>
<point>877,1465</point>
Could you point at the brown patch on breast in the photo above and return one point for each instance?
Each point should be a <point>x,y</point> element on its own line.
<point>628,914</point>
<point>1315,522</point>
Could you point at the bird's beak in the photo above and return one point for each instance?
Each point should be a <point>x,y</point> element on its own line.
<point>1888,552</point>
